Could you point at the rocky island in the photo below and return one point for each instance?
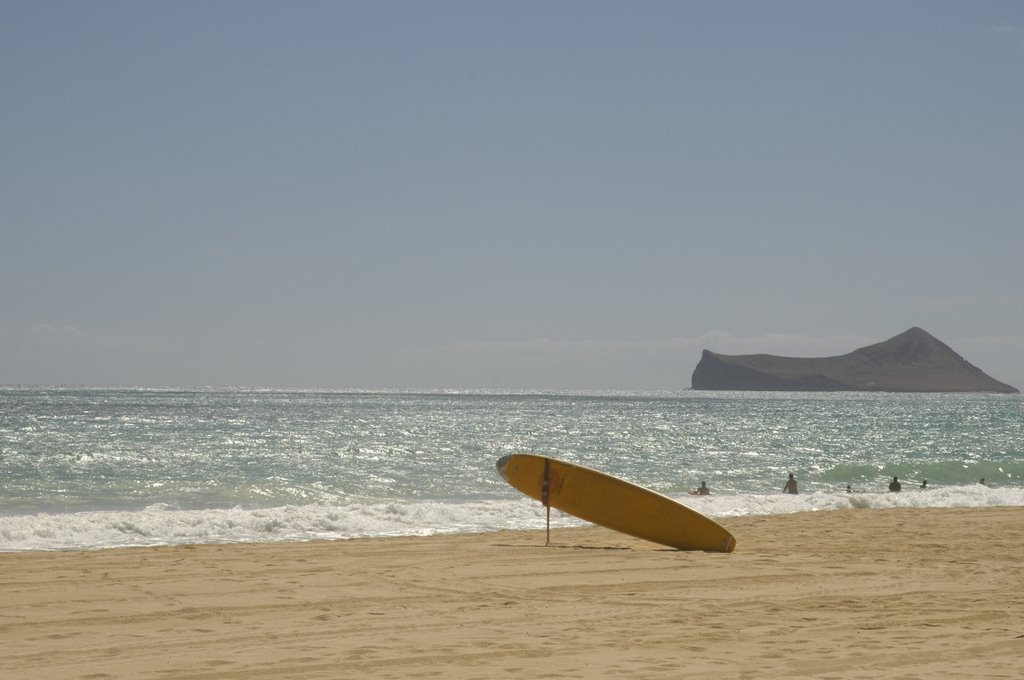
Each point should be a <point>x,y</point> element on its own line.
<point>913,361</point>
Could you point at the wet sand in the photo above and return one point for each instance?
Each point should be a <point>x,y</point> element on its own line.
<point>902,593</point>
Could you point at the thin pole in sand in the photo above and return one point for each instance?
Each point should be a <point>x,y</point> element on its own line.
<point>545,497</point>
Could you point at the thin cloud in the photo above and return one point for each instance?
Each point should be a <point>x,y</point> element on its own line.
<point>664,363</point>
<point>715,340</point>
<point>74,339</point>
<point>1011,31</point>
<point>68,354</point>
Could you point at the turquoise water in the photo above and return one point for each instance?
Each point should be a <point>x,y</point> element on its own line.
<point>91,467</point>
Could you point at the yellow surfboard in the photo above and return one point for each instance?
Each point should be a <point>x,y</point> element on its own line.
<point>613,503</point>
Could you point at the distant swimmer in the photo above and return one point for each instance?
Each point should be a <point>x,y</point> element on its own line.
<point>982,482</point>
<point>895,485</point>
<point>702,490</point>
<point>924,483</point>
<point>790,484</point>
<point>849,489</point>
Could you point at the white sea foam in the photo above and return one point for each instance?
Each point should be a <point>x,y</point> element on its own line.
<point>160,524</point>
<point>969,496</point>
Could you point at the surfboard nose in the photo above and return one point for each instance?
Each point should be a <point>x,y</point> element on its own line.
<point>501,465</point>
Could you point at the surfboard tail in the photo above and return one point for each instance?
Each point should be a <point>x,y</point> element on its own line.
<point>501,465</point>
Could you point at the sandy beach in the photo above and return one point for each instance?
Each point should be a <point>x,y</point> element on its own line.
<point>902,593</point>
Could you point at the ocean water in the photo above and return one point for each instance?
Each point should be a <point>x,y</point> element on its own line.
<point>104,467</point>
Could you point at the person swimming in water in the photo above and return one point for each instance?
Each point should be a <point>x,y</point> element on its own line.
<point>790,486</point>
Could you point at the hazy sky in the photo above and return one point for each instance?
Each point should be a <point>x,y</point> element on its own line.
<point>502,194</point>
